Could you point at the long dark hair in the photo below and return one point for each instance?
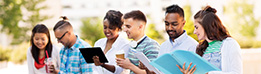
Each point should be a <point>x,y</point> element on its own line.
<point>40,28</point>
<point>213,27</point>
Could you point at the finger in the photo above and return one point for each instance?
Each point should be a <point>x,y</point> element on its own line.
<point>179,67</point>
<point>192,69</point>
<point>188,67</point>
<point>118,59</point>
<point>93,57</point>
<point>183,67</point>
<point>119,65</point>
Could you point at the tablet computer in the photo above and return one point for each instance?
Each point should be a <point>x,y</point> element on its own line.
<point>88,53</point>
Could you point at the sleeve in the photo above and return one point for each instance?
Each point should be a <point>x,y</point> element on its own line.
<point>30,62</point>
<point>85,68</point>
<point>118,69</point>
<point>231,58</point>
<point>57,57</point>
<point>60,68</point>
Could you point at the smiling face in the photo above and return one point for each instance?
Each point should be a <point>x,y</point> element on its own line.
<point>111,32</point>
<point>132,28</point>
<point>40,40</point>
<point>174,24</point>
<point>199,30</point>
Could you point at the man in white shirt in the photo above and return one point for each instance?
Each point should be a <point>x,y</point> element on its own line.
<point>178,38</point>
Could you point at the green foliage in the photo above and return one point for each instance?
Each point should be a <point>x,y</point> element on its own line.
<point>244,22</point>
<point>249,43</point>
<point>92,29</point>
<point>4,54</point>
<point>189,27</point>
<point>11,15</point>
<point>153,33</point>
<point>33,7</point>
<point>16,54</point>
<point>19,52</point>
<point>242,13</point>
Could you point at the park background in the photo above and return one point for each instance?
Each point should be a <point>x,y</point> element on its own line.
<point>17,18</point>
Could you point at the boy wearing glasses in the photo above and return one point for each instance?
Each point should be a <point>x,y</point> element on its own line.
<point>72,61</point>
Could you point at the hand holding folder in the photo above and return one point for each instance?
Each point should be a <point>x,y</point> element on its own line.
<point>167,62</point>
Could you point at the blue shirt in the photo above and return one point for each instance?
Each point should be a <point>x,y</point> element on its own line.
<point>75,62</point>
<point>183,42</point>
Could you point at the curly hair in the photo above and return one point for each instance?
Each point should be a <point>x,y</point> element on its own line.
<point>114,18</point>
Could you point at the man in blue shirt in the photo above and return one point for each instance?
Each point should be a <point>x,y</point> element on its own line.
<point>178,38</point>
<point>72,61</point>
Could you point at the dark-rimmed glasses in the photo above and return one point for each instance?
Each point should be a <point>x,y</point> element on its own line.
<point>62,36</point>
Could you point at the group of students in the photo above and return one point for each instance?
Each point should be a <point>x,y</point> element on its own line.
<point>215,44</point>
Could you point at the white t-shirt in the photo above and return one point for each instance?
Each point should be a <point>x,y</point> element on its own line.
<point>119,45</point>
<point>30,61</point>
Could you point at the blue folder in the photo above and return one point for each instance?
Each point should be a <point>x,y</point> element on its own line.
<point>166,63</point>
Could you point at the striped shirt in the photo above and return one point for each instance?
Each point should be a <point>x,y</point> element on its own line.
<point>76,63</point>
<point>150,49</point>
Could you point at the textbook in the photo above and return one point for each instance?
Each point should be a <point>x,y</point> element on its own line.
<point>166,63</point>
<point>145,61</point>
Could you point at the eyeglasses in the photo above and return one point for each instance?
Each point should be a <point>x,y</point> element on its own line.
<point>62,36</point>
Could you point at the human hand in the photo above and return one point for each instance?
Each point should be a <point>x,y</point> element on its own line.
<point>52,69</point>
<point>124,63</point>
<point>96,61</point>
<point>142,66</point>
<point>187,71</point>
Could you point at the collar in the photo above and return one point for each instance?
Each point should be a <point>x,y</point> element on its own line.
<point>116,42</point>
<point>180,39</point>
<point>141,38</point>
<point>75,44</point>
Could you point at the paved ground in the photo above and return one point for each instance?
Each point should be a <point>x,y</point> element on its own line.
<point>14,69</point>
<point>251,64</point>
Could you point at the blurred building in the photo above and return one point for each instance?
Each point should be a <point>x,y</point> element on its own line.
<point>78,9</point>
<point>75,10</point>
<point>154,9</point>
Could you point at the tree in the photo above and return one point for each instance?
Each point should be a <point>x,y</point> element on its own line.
<point>242,20</point>
<point>92,29</point>
<point>11,14</point>
<point>33,7</point>
<point>153,33</point>
<point>243,17</point>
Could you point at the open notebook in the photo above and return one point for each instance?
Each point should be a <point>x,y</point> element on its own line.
<point>145,61</point>
<point>166,63</point>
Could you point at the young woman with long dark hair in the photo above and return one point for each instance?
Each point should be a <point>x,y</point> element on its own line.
<point>40,50</point>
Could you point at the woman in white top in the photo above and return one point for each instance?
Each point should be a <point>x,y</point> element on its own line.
<point>112,44</point>
<point>40,50</point>
<point>216,46</point>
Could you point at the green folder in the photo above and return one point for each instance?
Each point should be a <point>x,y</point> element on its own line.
<point>166,63</point>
